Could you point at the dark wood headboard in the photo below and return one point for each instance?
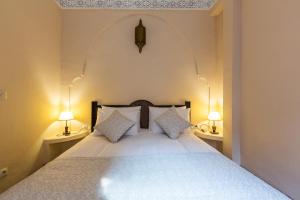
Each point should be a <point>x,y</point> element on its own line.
<point>144,110</point>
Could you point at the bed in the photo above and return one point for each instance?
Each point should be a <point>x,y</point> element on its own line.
<point>143,167</point>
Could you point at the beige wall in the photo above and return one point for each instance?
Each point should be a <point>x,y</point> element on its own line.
<point>30,72</point>
<point>117,73</point>
<point>220,58</point>
<point>270,92</point>
<point>226,13</point>
<point>231,83</point>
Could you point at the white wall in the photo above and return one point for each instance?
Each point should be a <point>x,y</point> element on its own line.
<point>227,14</point>
<point>30,72</point>
<point>117,73</point>
<point>270,92</point>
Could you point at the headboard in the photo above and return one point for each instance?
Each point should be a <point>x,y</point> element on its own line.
<point>144,110</point>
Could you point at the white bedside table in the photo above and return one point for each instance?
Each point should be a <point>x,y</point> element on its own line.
<point>59,143</point>
<point>60,138</point>
<point>214,140</point>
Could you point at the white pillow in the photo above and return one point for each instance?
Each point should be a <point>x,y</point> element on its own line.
<point>115,126</point>
<point>132,113</point>
<point>155,112</point>
<point>172,123</point>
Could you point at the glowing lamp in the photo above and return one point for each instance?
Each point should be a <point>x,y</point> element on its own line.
<point>66,116</point>
<point>214,116</point>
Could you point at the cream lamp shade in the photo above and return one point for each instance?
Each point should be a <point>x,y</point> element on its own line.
<point>65,116</point>
<point>214,116</point>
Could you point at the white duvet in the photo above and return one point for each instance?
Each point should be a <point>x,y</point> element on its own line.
<point>146,143</point>
<point>144,167</point>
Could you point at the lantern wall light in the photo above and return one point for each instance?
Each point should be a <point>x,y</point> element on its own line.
<point>140,36</point>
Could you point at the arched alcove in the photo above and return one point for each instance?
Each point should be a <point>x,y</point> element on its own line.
<point>165,72</point>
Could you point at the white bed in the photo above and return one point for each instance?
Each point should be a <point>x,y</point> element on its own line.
<point>146,143</point>
<point>144,167</point>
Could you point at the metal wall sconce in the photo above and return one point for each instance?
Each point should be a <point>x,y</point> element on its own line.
<point>140,36</point>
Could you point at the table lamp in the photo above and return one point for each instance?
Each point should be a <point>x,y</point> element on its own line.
<point>66,116</point>
<point>214,116</point>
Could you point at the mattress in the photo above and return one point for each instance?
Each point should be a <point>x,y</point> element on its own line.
<point>144,167</point>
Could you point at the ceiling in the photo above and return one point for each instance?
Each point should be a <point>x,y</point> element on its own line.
<point>137,4</point>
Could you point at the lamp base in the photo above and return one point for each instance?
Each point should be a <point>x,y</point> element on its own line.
<point>215,133</point>
<point>214,130</point>
<point>67,132</point>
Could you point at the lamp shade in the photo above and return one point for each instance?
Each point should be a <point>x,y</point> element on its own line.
<point>65,116</point>
<point>214,116</point>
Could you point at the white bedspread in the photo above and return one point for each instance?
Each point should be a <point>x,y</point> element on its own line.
<point>144,167</point>
<point>145,143</point>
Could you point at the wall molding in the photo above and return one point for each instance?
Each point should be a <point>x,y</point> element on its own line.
<point>137,4</point>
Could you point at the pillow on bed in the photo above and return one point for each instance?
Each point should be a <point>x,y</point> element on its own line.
<point>132,113</point>
<point>115,126</point>
<point>172,123</point>
<point>155,112</point>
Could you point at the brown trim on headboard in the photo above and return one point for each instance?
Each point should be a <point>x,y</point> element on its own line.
<point>144,119</point>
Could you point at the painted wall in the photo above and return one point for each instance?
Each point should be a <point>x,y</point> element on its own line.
<point>30,72</point>
<point>117,73</point>
<point>270,94</point>
<point>227,15</point>
<point>219,59</point>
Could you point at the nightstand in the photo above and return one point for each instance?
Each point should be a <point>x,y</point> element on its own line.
<point>59,143</point>
<point>214,140</point>
<point>60,138</point>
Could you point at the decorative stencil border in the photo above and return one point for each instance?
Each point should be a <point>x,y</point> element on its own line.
<point>137,4</point>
